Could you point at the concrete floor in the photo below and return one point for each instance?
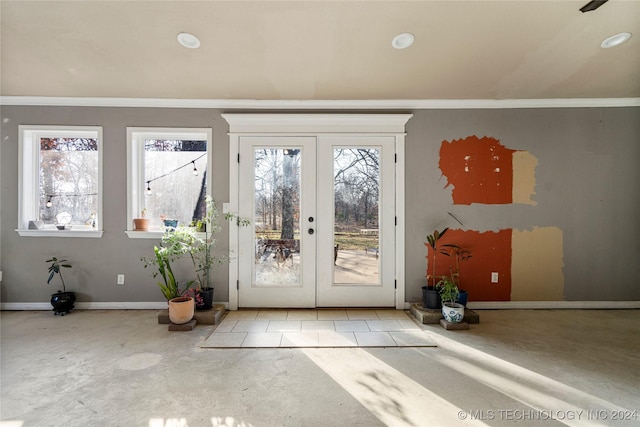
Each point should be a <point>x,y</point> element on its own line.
<point>121,368</point>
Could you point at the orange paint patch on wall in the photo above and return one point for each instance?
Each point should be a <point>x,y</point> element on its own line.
<point>480,170</point>
<point>490,252</point>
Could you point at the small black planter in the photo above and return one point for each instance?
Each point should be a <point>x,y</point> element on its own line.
<point>207,299</point>
<point>62,302</point>
<point>431,298</point>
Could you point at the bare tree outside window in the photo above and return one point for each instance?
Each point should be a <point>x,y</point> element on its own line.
<point>175,173</point>
<point>69,180</point>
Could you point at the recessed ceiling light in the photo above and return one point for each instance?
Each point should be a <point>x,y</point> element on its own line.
<point>615,40</point>
<point>402,40</point>
<point>188,40</point>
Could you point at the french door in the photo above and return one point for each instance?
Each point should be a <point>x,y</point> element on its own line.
<point>322,212</point>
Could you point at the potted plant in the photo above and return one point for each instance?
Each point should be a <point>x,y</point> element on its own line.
<point>169,286</point>
<point>460,254</point>
<point>169,224</point>
<point>181,309</point>
<point>200,250</point>
<point>430,295</point>
<point>179,302</point>
<point>451,310</point>
<point>188,242</point>
<point>62,301</point>
<point>201,256</point>
<point>141,223</point>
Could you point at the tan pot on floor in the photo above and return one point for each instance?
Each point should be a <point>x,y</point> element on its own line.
<point>181,310</point>
<point>141,224</point>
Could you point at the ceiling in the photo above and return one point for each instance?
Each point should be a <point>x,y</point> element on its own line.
<point>319,50</point>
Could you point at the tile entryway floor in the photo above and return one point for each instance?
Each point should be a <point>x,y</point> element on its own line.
<point>317,328</point>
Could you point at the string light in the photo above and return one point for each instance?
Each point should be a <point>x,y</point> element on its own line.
<point>195,172</point>
<point>50,197</point>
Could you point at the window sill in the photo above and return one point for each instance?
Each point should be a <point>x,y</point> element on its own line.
<point>96,234</point>
<point>153,234</point>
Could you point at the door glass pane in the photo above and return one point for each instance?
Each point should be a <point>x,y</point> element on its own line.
<point>277,217</point>
<point>356,186</point>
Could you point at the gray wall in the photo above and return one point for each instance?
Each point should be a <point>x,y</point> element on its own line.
<point>97,261</point>
<point>588,185</point>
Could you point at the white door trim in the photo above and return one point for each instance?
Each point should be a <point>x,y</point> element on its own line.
<point>316,124</point>
<point>400,227</point>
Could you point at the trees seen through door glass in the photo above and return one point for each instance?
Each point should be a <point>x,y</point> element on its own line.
<point>277,216</point>
<point>356,217</point>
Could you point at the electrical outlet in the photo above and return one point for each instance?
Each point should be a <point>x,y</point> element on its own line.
<point>120,279</point>
<point>494,277</point>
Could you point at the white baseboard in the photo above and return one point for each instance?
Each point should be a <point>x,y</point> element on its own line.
<point>546,305</point>
<point>152,305</point>
<point>478,305</point>
<point>550,305</point>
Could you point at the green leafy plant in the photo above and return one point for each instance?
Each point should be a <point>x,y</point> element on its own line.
<point>448,289</point>
<point>460,254</point>
<point>169,286</point>
<point>56,268</point>
<point>194,242</point>
<point>200,249</point>
<point>432,241</point>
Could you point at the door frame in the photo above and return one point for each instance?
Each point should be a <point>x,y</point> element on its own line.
<point>317,125</point>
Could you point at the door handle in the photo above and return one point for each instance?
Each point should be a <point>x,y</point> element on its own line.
<point>311,231</point>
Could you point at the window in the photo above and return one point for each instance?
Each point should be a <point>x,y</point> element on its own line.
<point>168,176</point>
<point>60,181</point>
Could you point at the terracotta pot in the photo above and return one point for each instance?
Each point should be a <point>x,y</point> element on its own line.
<point>181,310</point>
<point>141,224</point>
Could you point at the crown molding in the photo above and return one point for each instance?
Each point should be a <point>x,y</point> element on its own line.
<point>373,104</point>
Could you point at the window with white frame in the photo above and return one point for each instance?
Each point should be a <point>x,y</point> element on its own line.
<point>168,176</point>
<point>60,181</point>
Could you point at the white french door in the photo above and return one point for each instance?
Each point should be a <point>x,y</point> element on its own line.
<point>356,221</point>
<point>277,258</point>
<point>322,212</point>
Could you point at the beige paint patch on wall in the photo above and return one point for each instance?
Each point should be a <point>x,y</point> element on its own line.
<point>536,265</point>
<point>524,177</point>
